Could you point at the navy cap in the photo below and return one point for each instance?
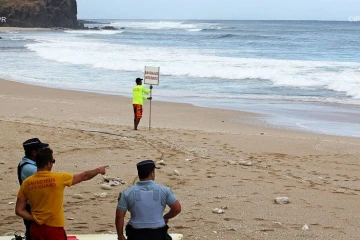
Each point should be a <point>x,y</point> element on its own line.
<point>146,165</point>
<point>34,144</point>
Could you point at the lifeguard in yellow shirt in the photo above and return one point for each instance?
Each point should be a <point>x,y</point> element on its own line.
<point>45,191</point>
<point>138,99</point>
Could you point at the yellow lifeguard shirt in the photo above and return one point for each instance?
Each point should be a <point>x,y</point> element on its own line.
<point>138,97</point>
<point>45,191</point>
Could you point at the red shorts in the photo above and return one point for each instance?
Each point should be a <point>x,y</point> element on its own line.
<point>44,232</point>
<point>137,111</point>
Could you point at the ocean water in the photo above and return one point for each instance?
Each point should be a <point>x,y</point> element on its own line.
<point>302,75</point>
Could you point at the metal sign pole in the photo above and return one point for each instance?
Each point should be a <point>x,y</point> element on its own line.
<point>150,107</point>
<point>151,76</point>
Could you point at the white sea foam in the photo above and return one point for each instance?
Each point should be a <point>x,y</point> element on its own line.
<point>209,68</point>
<point>343,77</point>
<point>153,25</point>
<point>194,30</point>
<point>164,25</point>
<point>91,32</point>
<point>16,38</point>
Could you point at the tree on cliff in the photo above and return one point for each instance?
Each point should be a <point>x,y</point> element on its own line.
<point>39,13</point>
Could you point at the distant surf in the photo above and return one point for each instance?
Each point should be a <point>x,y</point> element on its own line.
<point>228,64</point>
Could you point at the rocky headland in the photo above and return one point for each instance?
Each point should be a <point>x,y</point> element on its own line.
<point>39,13</point>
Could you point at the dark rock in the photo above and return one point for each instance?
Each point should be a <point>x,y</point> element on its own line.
<point>89,28</point>
<point>109,28</point>
<point>122,28</point>
<point>59,28</point>
<point>40,13</point>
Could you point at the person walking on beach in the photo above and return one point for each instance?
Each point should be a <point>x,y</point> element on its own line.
<point>138,99</point>
<point>26,168</point>
<point>146,202</point>
<point>45,191</point>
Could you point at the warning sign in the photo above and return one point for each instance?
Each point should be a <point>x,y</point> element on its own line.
<point>152,75</point>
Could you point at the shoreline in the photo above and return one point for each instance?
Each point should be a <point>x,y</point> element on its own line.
<point>322,115</point>
<point>256,118</point>
<point>163,107</point>
<point>319,173</point>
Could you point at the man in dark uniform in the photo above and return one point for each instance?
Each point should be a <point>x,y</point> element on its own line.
<point>27,167</point>
<point>146,202</point>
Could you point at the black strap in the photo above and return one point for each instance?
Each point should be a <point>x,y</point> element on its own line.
<point>19,168</point>
<point>132,233</point>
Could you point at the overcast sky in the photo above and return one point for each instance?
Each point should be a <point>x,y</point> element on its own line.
<point>219,9</point>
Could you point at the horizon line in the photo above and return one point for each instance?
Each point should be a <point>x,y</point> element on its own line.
<point>193,19</point>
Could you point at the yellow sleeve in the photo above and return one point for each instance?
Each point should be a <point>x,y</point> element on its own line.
<point>21,193</point>
<point>67,179</point>
<point>146,91</point>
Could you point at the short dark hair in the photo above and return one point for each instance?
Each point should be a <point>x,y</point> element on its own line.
<point>43,157</point>
<point>28,152</point>
<point>138,80</point>
<point>145,167</point>
<point>144,173</point>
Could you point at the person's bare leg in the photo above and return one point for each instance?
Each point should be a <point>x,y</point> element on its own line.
<point>136,123</point>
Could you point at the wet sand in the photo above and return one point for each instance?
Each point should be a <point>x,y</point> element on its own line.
<point>318,173</point>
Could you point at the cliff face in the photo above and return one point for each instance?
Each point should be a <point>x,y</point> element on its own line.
<point>39,13</point>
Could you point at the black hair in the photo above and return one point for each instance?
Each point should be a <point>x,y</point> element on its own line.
<point>144,173</point>
<point>28,152</point>
<point>43,157</point>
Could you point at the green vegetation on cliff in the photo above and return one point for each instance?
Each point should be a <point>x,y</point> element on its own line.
<point>17,3</point>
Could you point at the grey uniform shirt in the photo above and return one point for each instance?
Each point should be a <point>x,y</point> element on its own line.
<point>28,169</point>
<point>127,199</point>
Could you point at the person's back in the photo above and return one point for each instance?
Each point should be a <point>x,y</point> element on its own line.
<point>45,190</point>
<point>146,202</point>
<point>138,94</point>
<point>26,168</point>
<point>138,100</point>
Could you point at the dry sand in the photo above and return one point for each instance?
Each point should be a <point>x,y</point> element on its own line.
<point>318,173</point>
<point>5,29</point>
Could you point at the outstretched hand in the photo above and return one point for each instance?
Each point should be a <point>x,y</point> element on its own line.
<point>102,169</point>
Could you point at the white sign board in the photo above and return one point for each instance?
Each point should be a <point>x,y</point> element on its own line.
<point>152,75</point>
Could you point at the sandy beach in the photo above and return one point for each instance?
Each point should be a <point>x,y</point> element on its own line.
<point>318,173</point>
<point>4,29</point>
